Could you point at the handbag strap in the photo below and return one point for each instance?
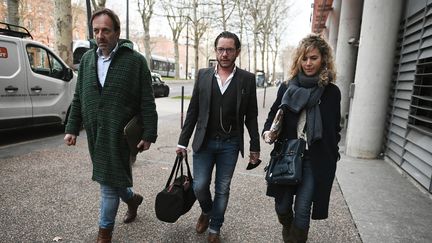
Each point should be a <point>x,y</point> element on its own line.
<point>188,169</point>
<point>176,166</point>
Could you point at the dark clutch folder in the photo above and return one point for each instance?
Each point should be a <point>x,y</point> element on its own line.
<point>133,132</point>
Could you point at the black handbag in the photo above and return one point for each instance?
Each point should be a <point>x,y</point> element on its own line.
<point>286,158</point>
<point>285,166</point>
<point>177,198</point>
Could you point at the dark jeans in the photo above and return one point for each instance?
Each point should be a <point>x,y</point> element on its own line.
<point>303,198</point>
<point>224,154</point>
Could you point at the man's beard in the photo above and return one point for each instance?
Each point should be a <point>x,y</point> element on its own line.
<point>225,65</point>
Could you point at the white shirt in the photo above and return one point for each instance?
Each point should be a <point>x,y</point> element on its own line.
<point>103,64</point>
<point>224,87</point>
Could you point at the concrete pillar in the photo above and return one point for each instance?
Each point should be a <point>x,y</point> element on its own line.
<point>334,24</point>
<point>379,29</point>
<point>346,55</point>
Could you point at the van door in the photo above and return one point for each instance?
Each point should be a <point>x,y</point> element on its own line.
<point>15,104</point>
<point>49,92</point>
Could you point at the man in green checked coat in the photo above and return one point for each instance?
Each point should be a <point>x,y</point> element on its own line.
<point>114,84</point>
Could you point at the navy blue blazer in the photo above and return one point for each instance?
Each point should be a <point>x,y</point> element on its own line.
<point>199,109</point>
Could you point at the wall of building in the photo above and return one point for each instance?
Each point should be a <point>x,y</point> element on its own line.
<point>409,124</point>
<point>404,94</point>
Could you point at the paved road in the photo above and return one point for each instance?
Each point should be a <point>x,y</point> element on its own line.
<point>176,86</point>
<point>46,192</point>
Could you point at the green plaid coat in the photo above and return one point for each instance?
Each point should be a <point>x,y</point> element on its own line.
<point>127,91</point>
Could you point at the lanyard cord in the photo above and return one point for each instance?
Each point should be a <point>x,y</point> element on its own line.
<point>220,121</point>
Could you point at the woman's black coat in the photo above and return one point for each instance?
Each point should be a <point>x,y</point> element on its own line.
<point>324,153</point>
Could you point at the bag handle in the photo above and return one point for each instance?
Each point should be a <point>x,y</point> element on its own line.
<point>188,169</point>
<point>176,166</point>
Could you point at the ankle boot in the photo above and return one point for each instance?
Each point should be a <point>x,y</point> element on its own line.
<point>133,204</point>
<point>285,220</point>
<point>104,235</point>
<point>298,235</point>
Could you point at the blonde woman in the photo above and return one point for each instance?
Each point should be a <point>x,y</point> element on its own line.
<point>309,94</point>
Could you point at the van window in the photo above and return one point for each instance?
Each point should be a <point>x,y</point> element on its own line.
<point>44,63</point>
<point>78,53</point>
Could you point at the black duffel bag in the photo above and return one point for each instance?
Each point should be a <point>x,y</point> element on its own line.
<point>177,198</point>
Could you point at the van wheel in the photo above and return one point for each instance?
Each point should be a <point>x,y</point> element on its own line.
<point>166,93</point>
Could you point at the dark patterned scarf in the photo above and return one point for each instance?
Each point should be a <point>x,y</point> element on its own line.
<point>304,93</point>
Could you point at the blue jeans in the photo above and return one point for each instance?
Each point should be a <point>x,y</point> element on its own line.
<point>303,199</point>
<point>109,203</point>
<point>223,154</point>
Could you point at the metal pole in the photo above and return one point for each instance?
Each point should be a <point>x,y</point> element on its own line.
<point>265,88</point>
<point>187,48</point>
<point>90,27</point>
<point>127,19</point>
<point>181,113</point>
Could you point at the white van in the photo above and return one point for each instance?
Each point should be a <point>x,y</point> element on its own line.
<point>36,85</point>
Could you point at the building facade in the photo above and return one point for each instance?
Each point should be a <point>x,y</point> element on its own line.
<point>383,53</point>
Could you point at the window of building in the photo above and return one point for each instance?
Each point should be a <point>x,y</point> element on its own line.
<point>420,117</point>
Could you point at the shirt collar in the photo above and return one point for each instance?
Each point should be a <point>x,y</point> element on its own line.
<point>232,73</point>
<point>99,52</point>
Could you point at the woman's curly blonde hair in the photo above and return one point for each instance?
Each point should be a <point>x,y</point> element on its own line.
<point>327,72</point>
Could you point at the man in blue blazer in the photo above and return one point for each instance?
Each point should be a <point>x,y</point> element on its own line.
<point>223,101</point>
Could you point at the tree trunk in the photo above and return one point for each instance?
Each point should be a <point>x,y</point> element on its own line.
<point>147,44</point>
<point>146,12</point>
<point>196,48</point>
<point>63,30</point>
<point>177,59</point>
<point>12,7</point>
<point>255,40</point>
<point>263,48</point>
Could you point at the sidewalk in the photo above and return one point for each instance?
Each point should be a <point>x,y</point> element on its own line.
<point>385,203</point>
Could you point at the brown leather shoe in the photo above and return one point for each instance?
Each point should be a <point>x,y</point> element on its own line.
<point>133,204</point>
<point>203,223</point>
<point>104,235</point>
<point>213,238</point>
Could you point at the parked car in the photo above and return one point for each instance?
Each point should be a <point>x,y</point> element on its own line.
<point>36,85</point>
<point>160,88</point>
<point>260,79</point>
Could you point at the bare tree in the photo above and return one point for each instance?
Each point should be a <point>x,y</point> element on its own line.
<point>227,8</point>
<point>267,24</point>
<point>175,13</point>
<point>79,16</point>
<point>12,7</point>
<point>146,12</point>
<point>63,30</point>
<point>98,4</point>
<point>281,9</point>
<point>241,11</point>
<point>200,24</point>
<point>254,8</point>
